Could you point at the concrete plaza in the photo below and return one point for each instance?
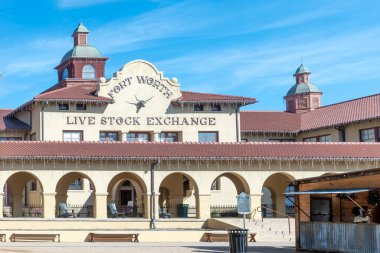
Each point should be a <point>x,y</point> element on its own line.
<point>215,247</point>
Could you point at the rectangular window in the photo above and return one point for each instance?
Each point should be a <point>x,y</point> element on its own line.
<point>138,137</point>
<point>33,185</point>
<point>216,108</point>
<point>10,139</point>
<point>208,136</point>
<point>244,140</point>
<point>322,138</point>
<point>198,108</point>
<point>108,136</point>
<point>325,138</point>
<point>168,137</point>
<point>81,107</point>
<point>72,135</point>
<point>63,107</point>
<point>369,135</point>
<point>302,103</point>
<point>76,185</point>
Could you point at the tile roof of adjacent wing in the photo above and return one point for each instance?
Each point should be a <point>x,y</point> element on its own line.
<point>11,124</point>
<point>190,151</point>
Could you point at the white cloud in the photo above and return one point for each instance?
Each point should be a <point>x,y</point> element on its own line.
<point>341,59</point>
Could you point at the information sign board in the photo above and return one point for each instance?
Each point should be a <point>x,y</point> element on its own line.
<point>243,203</point>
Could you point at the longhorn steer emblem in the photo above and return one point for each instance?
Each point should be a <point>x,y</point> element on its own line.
<point>140,103</point>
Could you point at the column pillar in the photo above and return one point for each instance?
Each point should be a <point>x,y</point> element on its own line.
<point>146,201</point>
<point>17,205</point>
<point>156,136</point>
<point>100,207</point>
<point>123,136</point>
<point>48,205</point>
<point>1,204</point>
<point>203,205</point>
<point>156,200</point>
<point>255,202</point>
<point>280,204</point>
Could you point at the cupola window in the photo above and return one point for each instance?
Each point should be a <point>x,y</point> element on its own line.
<point>88,72</point>
<point>65,74</point>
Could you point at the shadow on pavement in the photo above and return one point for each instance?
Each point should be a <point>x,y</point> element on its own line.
<point>251,249</point>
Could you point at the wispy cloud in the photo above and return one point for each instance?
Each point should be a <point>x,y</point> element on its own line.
<point>336,59</point>
<point>81,3</point>
<point>182,20</point>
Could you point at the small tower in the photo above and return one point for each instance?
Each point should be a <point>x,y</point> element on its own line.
<point>82,61</point>
<point>303,96</point>
<point>80,35</point>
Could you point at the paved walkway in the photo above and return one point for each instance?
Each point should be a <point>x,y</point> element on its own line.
<point>85,247</point>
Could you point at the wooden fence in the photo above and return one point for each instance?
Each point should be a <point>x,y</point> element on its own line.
<point>340,237</point>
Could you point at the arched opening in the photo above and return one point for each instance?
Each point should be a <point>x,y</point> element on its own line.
<point>88,72</point>
<point>177,196</point>
<point>224,190</point>
<point>22,196</point>
<point>129,193</point>
<point>75,196</point>
<point>274,202</point>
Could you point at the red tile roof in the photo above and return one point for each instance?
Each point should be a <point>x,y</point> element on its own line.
<point>360,109</point>
<point>194,151</point>
<point>79,92</point>
<point>196,97</point>
<point>11,123</point>
<point>256,121</point>
<point>365,108</point>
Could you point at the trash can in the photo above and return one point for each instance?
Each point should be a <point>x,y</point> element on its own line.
<point>238,239</point>
<point>182,210</point>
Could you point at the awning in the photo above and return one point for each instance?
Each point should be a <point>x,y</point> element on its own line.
<point>330,191</point>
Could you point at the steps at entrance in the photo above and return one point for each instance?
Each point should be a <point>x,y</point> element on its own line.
<point>270,229</point>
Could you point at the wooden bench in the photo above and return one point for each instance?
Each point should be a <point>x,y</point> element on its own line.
<point>35,237</point>
<point>95,237</point>
<point>3,238</point>
<point>223,237</point>
<point>220,237</point>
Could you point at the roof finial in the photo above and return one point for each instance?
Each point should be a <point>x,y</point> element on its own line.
<point>301,60</point>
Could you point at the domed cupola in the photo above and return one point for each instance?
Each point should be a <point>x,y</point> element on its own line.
<point>302,96</point>
<point>82,61</point>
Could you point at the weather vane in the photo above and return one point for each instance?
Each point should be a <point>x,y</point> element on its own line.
<point>140,103</point>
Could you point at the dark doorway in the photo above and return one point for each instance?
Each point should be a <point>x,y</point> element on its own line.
<point>125,197</point>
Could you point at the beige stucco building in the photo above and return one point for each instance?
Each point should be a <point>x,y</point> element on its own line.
<point>138,141</point>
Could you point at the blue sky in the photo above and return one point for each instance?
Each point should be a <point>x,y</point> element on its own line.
<point>248,48</point>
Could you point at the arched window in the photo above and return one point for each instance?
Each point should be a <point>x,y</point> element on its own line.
<point>65,74</point>
<point>88,72</point>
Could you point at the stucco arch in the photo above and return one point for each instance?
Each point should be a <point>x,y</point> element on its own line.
<point>223,191</point>
<point>85,198</point>
<point>164,182</point>
<point>180,188</point>
<point>114,189</point>
<point>16,181</point>
<point>277,183</point>
<point>25,201</point>
<point>126,176</point>
<point>65,180</point>
<point>238,180</point>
